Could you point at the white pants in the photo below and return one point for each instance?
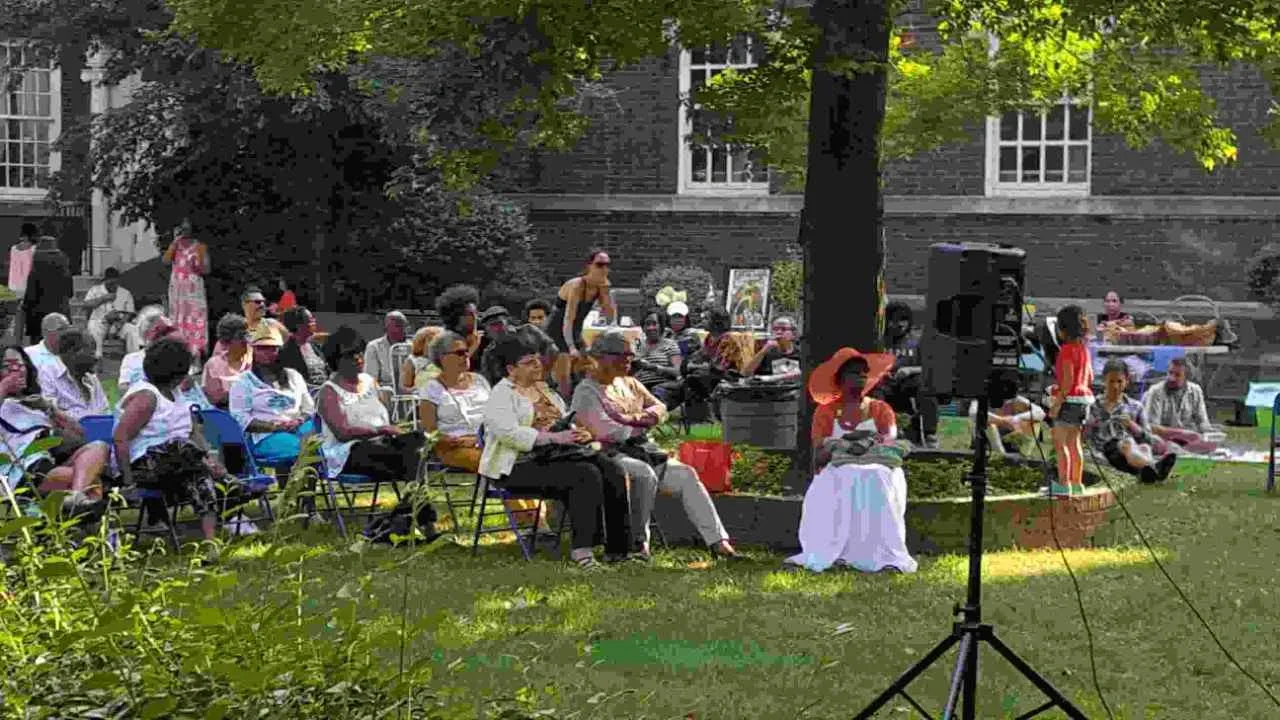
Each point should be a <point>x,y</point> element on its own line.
<point>679,480</point>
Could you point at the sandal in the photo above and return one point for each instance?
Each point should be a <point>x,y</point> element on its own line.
<point>589,564</point>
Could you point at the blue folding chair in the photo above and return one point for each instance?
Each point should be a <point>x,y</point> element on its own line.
<point>1267,395</point>
<point>486,491</point>
<point>349,483</point>
<point>221,430</point>
<point>101,428</point>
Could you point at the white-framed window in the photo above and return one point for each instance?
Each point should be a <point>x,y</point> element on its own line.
<point>1043,154</point>
<point>716,168</point>
<point>30,120</point>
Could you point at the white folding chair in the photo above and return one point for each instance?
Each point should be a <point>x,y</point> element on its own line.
<point>404,404</point>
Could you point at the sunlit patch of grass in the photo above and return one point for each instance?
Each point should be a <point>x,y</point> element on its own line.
<point>824,584</point>
<point>1014,564</point>
<point>728,590</point>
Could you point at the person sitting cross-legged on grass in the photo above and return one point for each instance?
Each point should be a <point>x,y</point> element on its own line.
<point>1117,429</point>
<point>272,403</point>
<point>25,417</point>
<point>854,511</point>
<point>1176,409</point>
<point>618,410</point>
<point>165,450</point>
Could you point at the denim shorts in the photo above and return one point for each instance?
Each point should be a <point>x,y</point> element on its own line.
<point>1072,414</point>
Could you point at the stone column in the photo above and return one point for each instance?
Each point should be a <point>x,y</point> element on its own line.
<point>94,73</point>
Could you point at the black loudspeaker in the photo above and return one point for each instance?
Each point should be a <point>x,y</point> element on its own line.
<point>971,345</point>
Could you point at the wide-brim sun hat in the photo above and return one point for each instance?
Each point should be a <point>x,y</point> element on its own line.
<point>824,382</point>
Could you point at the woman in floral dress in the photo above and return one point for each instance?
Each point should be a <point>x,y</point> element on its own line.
<point>188,307</point>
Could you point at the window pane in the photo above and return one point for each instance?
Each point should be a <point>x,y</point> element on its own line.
<point>1078,164</point>
<point>29,129</point>
<point>1009,163</point>
<point>1055,123</point>
<point>1053,163</point>
<point>1079,122</point>
<point>759,170</point>
<point>1009,126</point>
<point>43,106</point>
<point>14,151</point>
<point>719,165</point>
<point>28,177</point>
<point>698,56</point>
<point>1030,126</point>
<point>42,80</point>
<point>15,177</point>
<point>28,153</point>
<point>1031,164</point>
<point>42,154</point>
<point>697,78</point>
<point>4,153</point>
<point>738,51</point>
<point>42,131</point>
<point>699,166</point>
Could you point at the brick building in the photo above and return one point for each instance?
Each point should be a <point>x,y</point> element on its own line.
<point>1092,213</point>
<point>50,97</point>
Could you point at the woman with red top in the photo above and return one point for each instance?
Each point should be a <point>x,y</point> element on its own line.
<point>854,514</point>
<point>1071,397</point>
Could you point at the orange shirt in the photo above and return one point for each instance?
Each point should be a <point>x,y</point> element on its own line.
<point>826,416</point>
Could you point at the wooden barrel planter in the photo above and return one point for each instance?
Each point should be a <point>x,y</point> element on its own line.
<point>764,416</point>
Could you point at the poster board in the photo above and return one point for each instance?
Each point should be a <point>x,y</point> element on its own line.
<point>747,298</point>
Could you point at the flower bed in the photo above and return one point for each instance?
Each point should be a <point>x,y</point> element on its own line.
<point>937,518</point>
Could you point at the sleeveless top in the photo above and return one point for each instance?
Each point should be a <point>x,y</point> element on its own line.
<point>555,324</point>
<point>364,408</point>
<point>171,421</point>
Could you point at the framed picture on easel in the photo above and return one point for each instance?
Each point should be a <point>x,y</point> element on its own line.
<point>747,298</point>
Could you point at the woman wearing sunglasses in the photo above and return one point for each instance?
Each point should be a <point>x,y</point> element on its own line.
<point>453,403</point>
<point>577,296</point>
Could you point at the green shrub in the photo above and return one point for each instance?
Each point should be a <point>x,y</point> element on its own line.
<point>759,472</point>
<point>786,287</point>
<point>1263,275</point>
<point>94,632</point>
<point>692,280</point>
<point>932,479</point>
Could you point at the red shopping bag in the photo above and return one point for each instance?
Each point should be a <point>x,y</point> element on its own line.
<point>713,461</point>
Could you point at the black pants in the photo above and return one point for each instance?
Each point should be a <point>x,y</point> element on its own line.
<point>670,392</point>
<point>905,395</point>
<point>387,458</point>
<point>589,488</point>
<point>1111,451</point>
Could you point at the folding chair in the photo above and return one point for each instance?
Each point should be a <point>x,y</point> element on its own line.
<point>404,404</point>
<point>350,484</point>
<point>450,480</point>
<point>221,430</point>
<point>101,428</point>
<point>486,491</point>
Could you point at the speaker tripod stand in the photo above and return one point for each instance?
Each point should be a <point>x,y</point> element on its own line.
<point>970,630</point>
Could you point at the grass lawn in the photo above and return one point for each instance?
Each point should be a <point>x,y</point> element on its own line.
<point>685,639</point>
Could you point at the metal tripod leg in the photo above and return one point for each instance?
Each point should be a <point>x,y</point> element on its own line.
<point>1055,697</point>
<point>899,686</point>
<point>959,677</point>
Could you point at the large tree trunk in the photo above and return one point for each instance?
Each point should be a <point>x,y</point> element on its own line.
<point>842,229</point>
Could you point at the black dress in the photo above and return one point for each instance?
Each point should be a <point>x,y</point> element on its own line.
<point>555,324</point>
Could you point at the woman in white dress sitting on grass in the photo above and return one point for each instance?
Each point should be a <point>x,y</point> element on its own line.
<point>854,511</point>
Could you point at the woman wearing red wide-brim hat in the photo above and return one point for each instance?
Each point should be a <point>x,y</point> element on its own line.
<point>854,514</point>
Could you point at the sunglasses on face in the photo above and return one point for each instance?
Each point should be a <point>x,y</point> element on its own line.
<point>601,264</point>
<point>257,301</point>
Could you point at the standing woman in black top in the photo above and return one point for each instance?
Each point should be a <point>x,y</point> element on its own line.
<point>574,302</point>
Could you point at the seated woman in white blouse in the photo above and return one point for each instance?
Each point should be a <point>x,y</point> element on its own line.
<point>272,403</point>
<point>25,417</point>
<point>453,403</point>
<point>161,448</point>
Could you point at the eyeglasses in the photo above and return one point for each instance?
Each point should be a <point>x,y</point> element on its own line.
<point>530,361</point>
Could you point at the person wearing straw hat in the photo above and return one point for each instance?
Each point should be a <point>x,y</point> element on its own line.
<point>272,403</point>
<point>854,510</point>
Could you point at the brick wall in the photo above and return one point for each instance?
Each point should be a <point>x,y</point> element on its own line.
<point>631,147</point>
<point>1069,256</point>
